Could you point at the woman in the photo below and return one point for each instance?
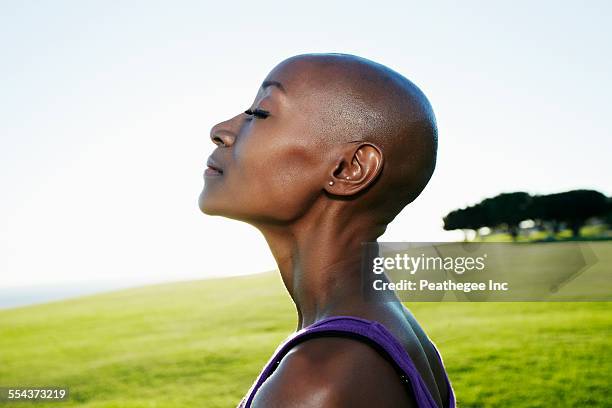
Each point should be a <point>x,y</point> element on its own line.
<point>330,151</point>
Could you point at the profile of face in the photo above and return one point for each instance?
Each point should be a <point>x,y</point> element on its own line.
<point>322,127</point>
<point>267,166</point>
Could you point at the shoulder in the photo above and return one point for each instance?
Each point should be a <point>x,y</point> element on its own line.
<point>333,372</point>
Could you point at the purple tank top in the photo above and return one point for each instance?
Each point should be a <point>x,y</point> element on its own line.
<point>371,332</point>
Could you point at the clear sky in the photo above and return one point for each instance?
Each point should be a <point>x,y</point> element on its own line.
<point>106,107</point>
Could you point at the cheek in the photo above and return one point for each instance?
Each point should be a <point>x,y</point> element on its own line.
<point>280,180</point>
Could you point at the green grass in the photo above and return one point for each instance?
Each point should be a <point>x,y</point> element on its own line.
<point>201,344</point>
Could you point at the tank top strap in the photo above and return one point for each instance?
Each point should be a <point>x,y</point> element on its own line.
<point>371,332</point>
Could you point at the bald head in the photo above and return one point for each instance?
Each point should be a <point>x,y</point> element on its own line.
<point>328,134</point>
<point>355,99</point>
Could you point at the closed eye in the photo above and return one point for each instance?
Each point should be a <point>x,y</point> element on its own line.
<point>258,113</point>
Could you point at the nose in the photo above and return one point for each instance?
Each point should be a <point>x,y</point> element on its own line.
<point>222,135</point>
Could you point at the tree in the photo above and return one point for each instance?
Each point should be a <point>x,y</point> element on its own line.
<point>571,207</point>
<point>608,217</point>
<point>547,211</point>
<point>469,218</point>
<point>507,210</point>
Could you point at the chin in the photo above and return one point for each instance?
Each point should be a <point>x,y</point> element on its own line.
<point>209,206</point>
<point>209,210</point>
<point>205,205</point>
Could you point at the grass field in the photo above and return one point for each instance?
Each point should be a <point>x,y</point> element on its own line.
<point>201,344</point>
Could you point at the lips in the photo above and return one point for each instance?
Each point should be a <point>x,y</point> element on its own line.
<point>213,168</point>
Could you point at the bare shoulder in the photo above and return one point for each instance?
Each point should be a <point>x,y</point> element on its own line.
<point>333,372</point>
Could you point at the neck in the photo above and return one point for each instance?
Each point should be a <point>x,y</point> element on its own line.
<point>319,259</point>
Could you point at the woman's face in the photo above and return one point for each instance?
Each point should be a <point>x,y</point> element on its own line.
<point>267,166</point>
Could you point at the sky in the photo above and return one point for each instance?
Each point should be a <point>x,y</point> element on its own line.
<point>106,108</point>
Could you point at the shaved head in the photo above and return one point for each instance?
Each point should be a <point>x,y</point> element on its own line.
<point>355,99</point>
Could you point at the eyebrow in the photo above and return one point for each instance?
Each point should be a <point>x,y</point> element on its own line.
<point>277,84</point>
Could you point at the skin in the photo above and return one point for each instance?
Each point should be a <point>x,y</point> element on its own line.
<point>347,143</point>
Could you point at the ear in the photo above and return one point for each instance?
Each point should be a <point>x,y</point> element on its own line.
<point>356,169</point>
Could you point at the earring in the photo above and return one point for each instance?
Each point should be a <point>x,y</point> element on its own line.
<point>331,183</point>
<point>347,177</point>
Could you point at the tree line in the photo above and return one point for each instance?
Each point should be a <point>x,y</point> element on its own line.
<point>552,212</point>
